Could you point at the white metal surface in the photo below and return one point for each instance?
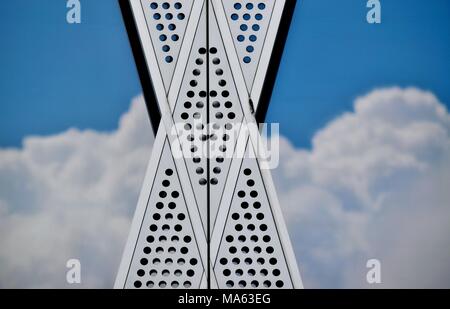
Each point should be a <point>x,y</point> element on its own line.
<point>185,201</point>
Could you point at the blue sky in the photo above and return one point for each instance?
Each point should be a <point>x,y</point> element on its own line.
<point>54,76</point>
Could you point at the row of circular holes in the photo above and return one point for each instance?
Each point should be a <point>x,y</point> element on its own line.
<point>244,27</point>
<point>245,249</point>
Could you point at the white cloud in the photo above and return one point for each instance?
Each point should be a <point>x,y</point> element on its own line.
<point>374,185</point>
<point>71,196</point>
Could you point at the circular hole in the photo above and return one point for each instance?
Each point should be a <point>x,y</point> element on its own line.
<point>190,273</point>
<point>150,284</point>
<point>187,239</point>
<point>241,194</point>
<point>256,27</point>
<point>243,27</point>
<point>250,183</point>
<point>150,239</point>
<point>222,83</point>
<point>276,272</point>
<point>169,16</point>
<point>250,49</point>
<point>178,5</point>
<point>137,284</point>
<point>168,261</point>
<point>163,37</point>
<point>220,159</point>
<point>214,181</point>
<point>219,72</point>
<point>174,284</point>
<point>203,182</point>
<point>252,272</point>
<point>202,51</point>
<point>193,262</point>
<point>154,5</point>
<point>242,238</point>
<point>200,105</point>
<point>235,216</point>
<point>165,273</point>
<point>181,217</point>
<point>231,115</point>
<point>178,228</point>
<point>257,249</point>
<point>153,228</point>
<point>193,83</point>
<point>247,172</point>
<point>248,261</point>
<point>253,38</point>
<point>157,16</point>
<point>223,261</point>
<point>263,227</point>
<point>166,5</point>
<point>254,238</point>
<point>245,250</point>
<point>181,262</point>
<point>248,216</point>
<point>230,284</point>
<point>238,227</point>
<point>181,16</point>
<point>244,205</point>
<point>184,250</point>
<point>267,284</point>
<point>260,216</point>
<point>239,272</point>
<point>266,238</point>
<point>247,59</point>
<point>166,48</point>
<point>172,250</point>
<point>162,284</point>
<point>264,272</point>
<point>156,217</point>
<point>217,170</point>
<point>257,205</point>
<point>226,272</point>
<point>172,205</point>
<point>187,284</point>
<point>196,72</point>
<point>147,250</point>
<point>232,250</point>
<point>242,284</point>
<point>172,27</point>
<point>166,183</point>
<point>153,273</point>
<point>273,261</point>
<point>175,239</point>
<point>140,272</point>
<point>270,250</point>
<point>258,16</point>
<point>216,61</point>
<point>165,227</point>
<point>175,194</point>
<point>237,6</point>
<point>260,261</point>
<point>159,205</point>
<point>251,227</point>
<point>163,194</point>
<point>233,16</point>
<point>246,17</point>
<point>229,238</point>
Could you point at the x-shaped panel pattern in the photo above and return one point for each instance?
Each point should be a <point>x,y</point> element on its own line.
<point>208,215</point>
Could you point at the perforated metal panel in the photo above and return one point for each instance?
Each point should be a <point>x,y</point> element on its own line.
<point>249,21</point>
<point>191,117</point>
<point>225,117</point>
<point>166,253</point>
<point>166,22</point>
<point>251,253</point>
<point>213,201</point>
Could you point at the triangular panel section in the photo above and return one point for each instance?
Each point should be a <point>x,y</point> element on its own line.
<point>166,253</point>
<point>249,21</point>
<point>251,254</point>
<point>167,22</point>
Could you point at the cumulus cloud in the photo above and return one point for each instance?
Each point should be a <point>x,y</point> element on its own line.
<point>71,196</point>
<point>374,185</point>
